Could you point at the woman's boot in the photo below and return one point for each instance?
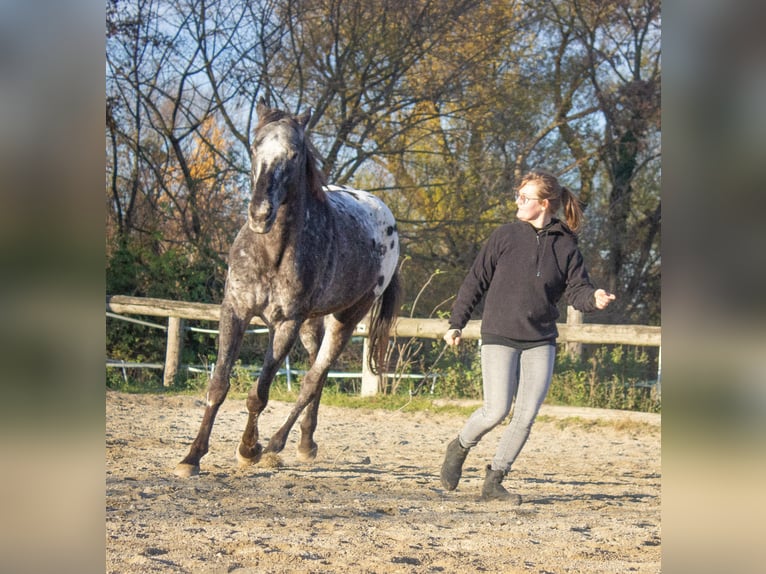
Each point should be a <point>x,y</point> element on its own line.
<point>493,490</point>
<point>452,467</point>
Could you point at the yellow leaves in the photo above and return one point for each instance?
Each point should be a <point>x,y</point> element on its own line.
<point>199,197</point>
<point>203,161</point>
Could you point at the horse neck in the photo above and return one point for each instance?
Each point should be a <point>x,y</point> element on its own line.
<point>292,224</point>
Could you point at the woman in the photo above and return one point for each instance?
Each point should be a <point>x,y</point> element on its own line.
<point>524,269</point>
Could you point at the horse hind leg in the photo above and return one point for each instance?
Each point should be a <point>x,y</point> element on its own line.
<point>311,335</point>
<point>337,334</point>
<point>232,327</point>
<point>307,448</point>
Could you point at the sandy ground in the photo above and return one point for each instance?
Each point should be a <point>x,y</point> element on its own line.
<point>372,502</point>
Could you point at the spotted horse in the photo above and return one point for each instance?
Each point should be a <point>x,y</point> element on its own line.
<point>311,261</point>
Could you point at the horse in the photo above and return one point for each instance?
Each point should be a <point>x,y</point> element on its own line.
<point>311,261</point>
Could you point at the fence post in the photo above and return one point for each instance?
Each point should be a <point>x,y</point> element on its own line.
<point>370,381</point>
<point>173,350</point>
<point>574,317</point>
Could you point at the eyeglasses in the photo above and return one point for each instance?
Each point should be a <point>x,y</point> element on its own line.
<point>521,199</point>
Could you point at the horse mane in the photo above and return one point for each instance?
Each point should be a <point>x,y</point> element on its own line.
<point>315,177</point>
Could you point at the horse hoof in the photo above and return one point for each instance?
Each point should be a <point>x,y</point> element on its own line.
<point>244,461</point>
<point>308,455</point>
<point>184,470</point>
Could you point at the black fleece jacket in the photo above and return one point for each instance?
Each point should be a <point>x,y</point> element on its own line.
<point>524,272</point>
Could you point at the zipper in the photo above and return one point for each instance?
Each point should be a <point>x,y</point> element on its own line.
<point>540,252</point>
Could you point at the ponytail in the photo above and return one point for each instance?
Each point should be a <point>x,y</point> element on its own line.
<point>572,209</point>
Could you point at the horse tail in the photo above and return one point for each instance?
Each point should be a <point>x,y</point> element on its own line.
<point>382,316</point>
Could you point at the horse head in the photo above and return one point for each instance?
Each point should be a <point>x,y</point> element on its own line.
<point>278,160</point>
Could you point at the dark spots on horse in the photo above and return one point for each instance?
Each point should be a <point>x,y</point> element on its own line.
<point>392,244</point>
<point>381,249</point>
<point>381,279</point>
<point>390,229</point>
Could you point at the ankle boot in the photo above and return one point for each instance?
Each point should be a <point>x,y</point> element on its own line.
<point>452,467</point>
<point>493,490</point>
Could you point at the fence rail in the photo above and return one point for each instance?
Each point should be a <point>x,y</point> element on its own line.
<point>572,333</point>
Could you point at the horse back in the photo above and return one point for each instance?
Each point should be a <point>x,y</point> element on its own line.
<point>366,237</point>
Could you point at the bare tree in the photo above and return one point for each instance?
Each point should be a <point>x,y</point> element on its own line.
<point>159,112</point>
<point>608,59</point>
<point>438,105</point>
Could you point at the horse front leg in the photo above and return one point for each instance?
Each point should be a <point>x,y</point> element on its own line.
<point>335,339</point>
<point>232,327</point>
<point>282,338</point>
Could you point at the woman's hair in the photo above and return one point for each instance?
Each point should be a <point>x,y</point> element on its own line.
<point>557,195</point>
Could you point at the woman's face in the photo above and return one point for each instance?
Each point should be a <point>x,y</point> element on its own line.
<point>530,208</point>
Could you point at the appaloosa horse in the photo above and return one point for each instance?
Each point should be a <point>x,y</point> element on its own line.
<point>311,261</point>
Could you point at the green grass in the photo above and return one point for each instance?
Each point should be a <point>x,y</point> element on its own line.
<point>334,397</point>
<point>626,425</point>
<point>612,377</point>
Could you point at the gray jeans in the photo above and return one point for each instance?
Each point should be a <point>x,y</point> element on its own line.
<point>509,372</point>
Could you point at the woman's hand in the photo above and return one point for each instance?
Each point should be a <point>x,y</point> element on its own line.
<point>603,298</point>
<point>453,337</point>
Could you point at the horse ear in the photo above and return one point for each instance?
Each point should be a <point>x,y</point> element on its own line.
<point>303,119</point>
<point>261,108</point>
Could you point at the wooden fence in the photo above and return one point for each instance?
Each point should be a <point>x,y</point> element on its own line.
<point>573,333</point>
